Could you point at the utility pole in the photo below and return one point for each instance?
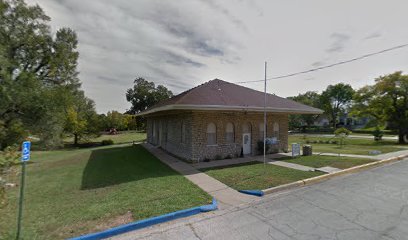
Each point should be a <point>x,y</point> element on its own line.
<point>264,135</point>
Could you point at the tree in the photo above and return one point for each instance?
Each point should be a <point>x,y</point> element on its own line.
<point>38,74</point>
<point>387,102</point>
<point>81,118</point>
<point>115,119</point>
<point>309,98</point>
<point>145,94</point>
<point>335,100</point>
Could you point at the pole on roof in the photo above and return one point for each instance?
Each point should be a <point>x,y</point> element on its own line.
<point>264,132</point>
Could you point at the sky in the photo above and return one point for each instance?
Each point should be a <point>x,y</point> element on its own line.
<point>183,43</point>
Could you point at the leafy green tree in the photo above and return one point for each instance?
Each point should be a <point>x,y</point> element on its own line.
<point>309,98</point>
<point>335,100</point>
<point>145,94</point>
<point>115,119</point>
<point>81,118</point>
<point>387,102</point>
<point>38,74</point>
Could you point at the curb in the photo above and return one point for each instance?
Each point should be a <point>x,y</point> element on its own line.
<point>258,193</point>
<point>148,222</point>
<point>330,175</point>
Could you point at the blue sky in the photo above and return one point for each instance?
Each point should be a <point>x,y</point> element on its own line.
<point>184,43</point>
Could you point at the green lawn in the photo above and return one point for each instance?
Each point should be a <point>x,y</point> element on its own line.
<point>352,145</point>
<point>255,175</point>
<point>317,161</point>
<point>72,192</point>
<point>121,137</point>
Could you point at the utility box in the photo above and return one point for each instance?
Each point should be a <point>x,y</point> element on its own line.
<point>307,150</point>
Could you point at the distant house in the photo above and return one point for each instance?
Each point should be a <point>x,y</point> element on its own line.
<point>218,120</point>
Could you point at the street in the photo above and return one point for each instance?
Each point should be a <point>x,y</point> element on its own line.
<point>372,204</point>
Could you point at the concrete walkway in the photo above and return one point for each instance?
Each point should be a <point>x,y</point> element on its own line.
<point>374,157</point>
<point>390,155</point>
<point>347,155</point>
<point>292,165</point>
<point>226,196</point>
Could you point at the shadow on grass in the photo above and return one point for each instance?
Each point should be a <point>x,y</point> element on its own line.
<point>116,165</point>
<point>230,166</point>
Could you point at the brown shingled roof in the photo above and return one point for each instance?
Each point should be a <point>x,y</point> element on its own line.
<point>221,95</point>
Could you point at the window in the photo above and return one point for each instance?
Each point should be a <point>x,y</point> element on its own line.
<point>229,133</point>
<point>211,134</point>
<point>261,131</point>
<point>276,130</point>
<point>183,132</point>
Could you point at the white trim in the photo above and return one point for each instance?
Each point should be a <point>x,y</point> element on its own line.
<point>227,108</point>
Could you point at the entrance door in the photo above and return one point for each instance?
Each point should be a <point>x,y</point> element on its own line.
<point>246,143</point>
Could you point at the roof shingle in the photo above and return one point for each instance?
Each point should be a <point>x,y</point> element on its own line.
<point>221,95</point>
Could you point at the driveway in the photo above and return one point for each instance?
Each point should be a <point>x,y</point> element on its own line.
<point>368,205</point>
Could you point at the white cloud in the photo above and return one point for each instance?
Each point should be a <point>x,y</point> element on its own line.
<point>183,43</point>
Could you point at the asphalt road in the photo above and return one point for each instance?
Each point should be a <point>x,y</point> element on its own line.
<point>372,204</point>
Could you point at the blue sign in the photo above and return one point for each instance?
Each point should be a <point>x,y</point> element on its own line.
<point>25,151</point>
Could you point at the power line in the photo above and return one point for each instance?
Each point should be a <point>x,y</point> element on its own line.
<point>329,66</point>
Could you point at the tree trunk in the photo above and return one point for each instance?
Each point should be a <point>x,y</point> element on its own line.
<point>75,139</point>
<point>402,136</point>
<point>334,119</point>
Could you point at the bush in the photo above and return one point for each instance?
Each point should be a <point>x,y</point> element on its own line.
<point>107,142</point>
<point>342,131</point>
<point>378,134</point>
<point>8,157</point>
<point>260,147</point>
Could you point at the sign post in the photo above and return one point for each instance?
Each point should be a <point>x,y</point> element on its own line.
<point>25,157</point>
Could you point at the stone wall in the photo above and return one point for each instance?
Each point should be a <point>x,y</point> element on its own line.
<point>222,149</point>
<point>165,130</point>
<point>169,134</point>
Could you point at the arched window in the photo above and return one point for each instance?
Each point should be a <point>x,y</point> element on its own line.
<point>276,130</point>
<point>261,130</point>
<point>229,133</point>
<point>211,134</point>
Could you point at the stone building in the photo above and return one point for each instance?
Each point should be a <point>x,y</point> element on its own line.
<point>218,120</point>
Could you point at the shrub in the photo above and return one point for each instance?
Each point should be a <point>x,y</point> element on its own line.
<point>107,142</point>
<point>378,134</point>
<point>334,142</point>
<point>307,141</point>
<point>8,157</point>
<point>260,147</point>
<point>342,131</point>
<point>218,157</point>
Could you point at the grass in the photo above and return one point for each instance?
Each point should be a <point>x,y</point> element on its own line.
<point>73,192</point>
<point>317,161</point>
<point>120,138</point>
<point>352,145</point>
<point>255,175</point>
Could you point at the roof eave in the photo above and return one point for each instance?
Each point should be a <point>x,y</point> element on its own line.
<point>228,108</point>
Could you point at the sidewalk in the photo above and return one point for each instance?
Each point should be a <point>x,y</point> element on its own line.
<point>373,157</point>
<point>226,196</point>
